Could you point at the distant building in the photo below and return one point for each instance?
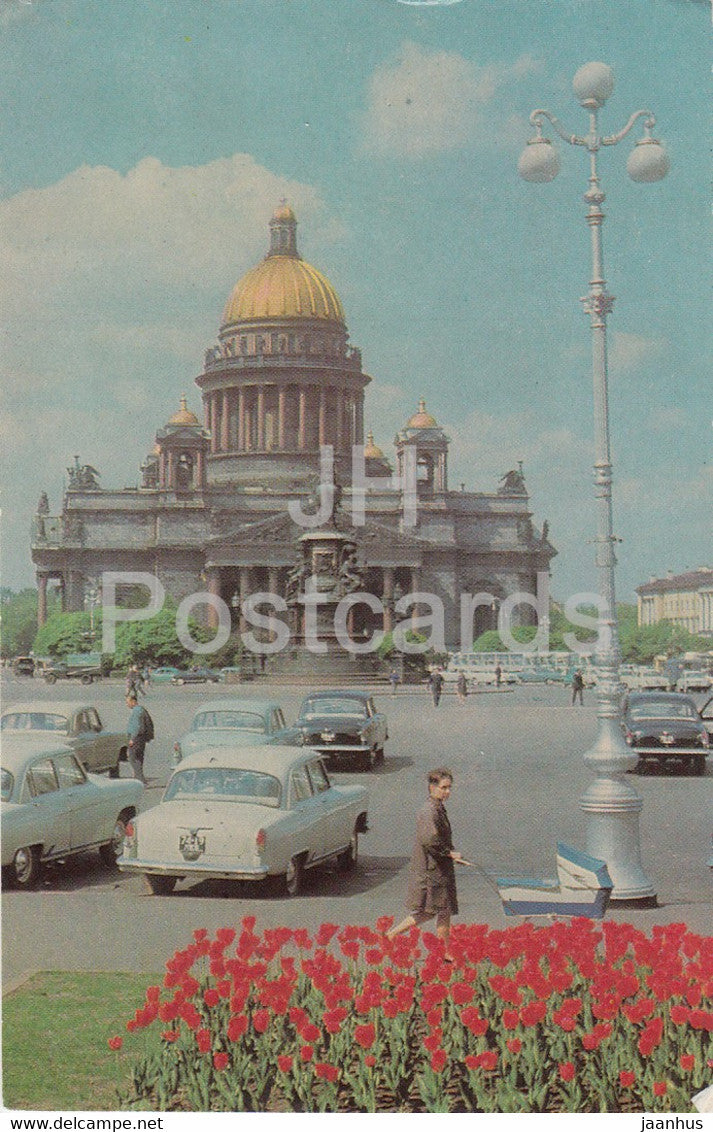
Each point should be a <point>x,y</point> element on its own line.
<point>211,512</point>
<point>683,599</point>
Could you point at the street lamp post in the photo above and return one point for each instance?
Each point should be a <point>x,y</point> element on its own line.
<point>611,803</point>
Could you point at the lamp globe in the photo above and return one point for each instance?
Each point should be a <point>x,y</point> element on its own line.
<point>648,161</point>
<point>539,161</point>
<point>593,84</point>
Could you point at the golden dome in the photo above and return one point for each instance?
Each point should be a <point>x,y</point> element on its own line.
<point>283,285</point>
<point>184,416</point>
<point>371,450</point>
<point>422,419</point>
<point>283,212</point>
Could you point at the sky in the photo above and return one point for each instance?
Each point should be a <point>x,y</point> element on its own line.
<point>144,145</point>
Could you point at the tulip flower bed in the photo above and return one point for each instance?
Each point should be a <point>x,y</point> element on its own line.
<point>571,1017</point>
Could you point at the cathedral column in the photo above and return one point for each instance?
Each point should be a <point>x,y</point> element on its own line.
<point>200,469</point>
<point>415,609</point>
<point>241,420</point>
<point>281,402</point>
<point>225,423</point>
<point>244,594</point>
<point>340,421</point>
<point>302,420</point>
<point>261,419</point>
<point>41,599</point>
<point>359,421</point>
<point>171,484</point>
<point>213,418</point>
<point>388,598</point>
<point>273,587</point>
<point>162,470</point>
<point>322,416</point>
<point>213,583</point>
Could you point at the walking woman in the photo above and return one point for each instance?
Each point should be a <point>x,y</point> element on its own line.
<point>432,881</point>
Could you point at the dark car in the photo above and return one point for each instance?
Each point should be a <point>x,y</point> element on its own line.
<point>23,666</point>
<point>344,726</point>
<point>662,727</point>
<point>197,676</point>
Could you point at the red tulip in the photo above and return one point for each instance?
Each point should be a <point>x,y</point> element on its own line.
<point>306,1053</point>
<point>660,1088</point>
<point>284,1062</point>
<point>687,1061</point>
<point>327,1071</point>
<point>220,1061</point>
<point>626,1078</point>
<point>566,1070</point>
<point>116,1042</point>
<point>439,1057</point>
<point>365,1035</point>
<point>203,1040</point>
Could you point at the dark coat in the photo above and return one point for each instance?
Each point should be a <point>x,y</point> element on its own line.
<point>432,880</point>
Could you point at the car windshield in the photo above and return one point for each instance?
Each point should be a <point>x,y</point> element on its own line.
<point>6,785</point>
<point>224,784</point>
<point>333,706</point>
<point>235,720</point>
<point>662,709</point>
<point>33,721</point>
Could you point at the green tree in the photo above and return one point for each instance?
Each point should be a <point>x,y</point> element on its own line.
<point>63,633</point>
<point>19,620</point>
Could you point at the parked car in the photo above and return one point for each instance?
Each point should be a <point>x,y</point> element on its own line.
<point>706,714</point>
<point>662,727</point>
<point>694,681</point>
<point>232,674</point>
<point>23,666</point>
<point>76,724</point>
<point>164,675</point>
<point>542,675</point>
<point>246,813</point>
<point>344,726</point>
<point>234,722</point>
<point>52,809</point>
<point>641,679</point>
<point>85,667</point>
<point>196,676</point>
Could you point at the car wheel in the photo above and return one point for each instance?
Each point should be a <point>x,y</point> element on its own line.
<point>180,681</point>
<point>699,765</point>
<point>50,678</point>
<point>86,679</point>
<point>379,755</point>
<point>347,860</point>
<point>114,771</point>
<point>294,877</point>
<point>26,866</point>
<point>110,853</point>
<point>160,886</point>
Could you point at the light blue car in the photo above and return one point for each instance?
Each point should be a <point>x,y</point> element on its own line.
<point>235,722</point>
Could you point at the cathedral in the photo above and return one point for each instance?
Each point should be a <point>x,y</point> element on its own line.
<point>219,502</point>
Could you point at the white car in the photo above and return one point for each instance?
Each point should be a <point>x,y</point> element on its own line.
<point>52,809</point>
<point>75,723</point>
<point>246,813</point>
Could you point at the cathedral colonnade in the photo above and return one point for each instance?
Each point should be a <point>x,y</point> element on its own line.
<point>290,417</point>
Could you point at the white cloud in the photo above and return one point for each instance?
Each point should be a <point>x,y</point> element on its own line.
<point>631,351</point>
<point>426,102</point>
<point>96,240</point>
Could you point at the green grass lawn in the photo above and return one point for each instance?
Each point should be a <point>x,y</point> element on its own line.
<point>54,1039</point>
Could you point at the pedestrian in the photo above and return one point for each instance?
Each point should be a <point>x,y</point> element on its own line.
<point>462,687</point>
<point>498,675</point>
<point>394,681</point>
<point>435,681</point>
<point>146,677</point>
<point>140,731</point>
<point>578,687</point>
<point>432,881</point>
